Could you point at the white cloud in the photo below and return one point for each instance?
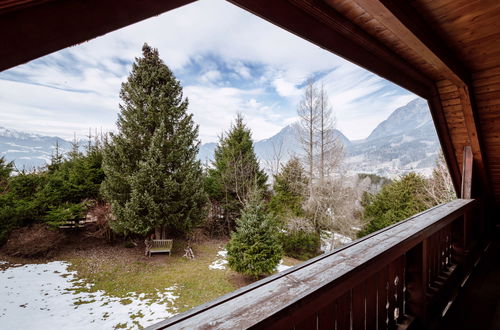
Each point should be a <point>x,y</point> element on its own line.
<point>78,87</point>
<point>286,88</point>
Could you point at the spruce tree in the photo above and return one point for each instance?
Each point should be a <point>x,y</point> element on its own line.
<point>290,188</point>
<point>255,248</point>
<point>235,171</point>
<point>6,169</point>
<point>153,180</point>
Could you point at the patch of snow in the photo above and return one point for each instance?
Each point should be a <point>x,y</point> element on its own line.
<point>282,267</point>
<point>337,239</point>
<point>221,262</point>
<point>55,298</point>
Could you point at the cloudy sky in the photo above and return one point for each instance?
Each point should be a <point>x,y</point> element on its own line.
<point>227,60</point>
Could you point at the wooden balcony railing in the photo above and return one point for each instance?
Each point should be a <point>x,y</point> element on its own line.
<point>402,276</point>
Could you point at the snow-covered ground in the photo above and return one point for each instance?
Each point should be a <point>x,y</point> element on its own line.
<point>221,262</point>
<point>49,296</point>
<point>337,240</point>
<point>281,267</point>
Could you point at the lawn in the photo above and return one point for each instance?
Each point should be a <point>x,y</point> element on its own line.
<point>118,271</point>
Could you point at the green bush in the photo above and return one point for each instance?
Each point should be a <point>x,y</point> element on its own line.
<point>301,245</point>
<point>62,214</point>
<point>53,195</point>
<point>396,201</point>
<point>255,248</point>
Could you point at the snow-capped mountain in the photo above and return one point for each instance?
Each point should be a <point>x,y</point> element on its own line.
<point>29,150</point>
<point>406,141</point>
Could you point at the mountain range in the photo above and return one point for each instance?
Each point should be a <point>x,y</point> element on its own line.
<point>406,141</point>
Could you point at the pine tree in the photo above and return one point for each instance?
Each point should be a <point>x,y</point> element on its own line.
<point>255,248</point>
<point>235,171</point>
<point>153,180</point>
<point>290,189</point>
<point>6,169</point>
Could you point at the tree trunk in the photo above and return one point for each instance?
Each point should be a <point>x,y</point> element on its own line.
<point>157,232</point>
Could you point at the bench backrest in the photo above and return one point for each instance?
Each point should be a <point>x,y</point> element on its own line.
<point>163,243</point>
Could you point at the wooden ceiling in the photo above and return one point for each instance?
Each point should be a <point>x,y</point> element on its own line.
<point>471,28</point>
<point>447,51</point>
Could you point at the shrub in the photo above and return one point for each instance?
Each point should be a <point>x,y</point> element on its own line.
<point>395,202</point>
<point>301,244</point>
<point>65,213</point>
<point>255,248</point>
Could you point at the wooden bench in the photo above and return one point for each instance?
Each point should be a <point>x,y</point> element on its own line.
<point>161,245</point>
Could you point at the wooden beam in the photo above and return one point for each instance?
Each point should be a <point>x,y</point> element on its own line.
<point>477,149</point>
<point>29,32</point>
<point>442,131</point>
<point>320,24</point>
<point>467,173</point>
<point>400,18</point>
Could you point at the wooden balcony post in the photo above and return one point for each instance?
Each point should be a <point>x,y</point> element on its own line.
<point>466,194</point>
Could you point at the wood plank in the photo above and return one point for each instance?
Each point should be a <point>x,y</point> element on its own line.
<point>359,307</point>
<point>344,311</point>
<point>326,276</point>
<point>382,300</point>
<point>416,283</point>
<point>467,173</point>
<point>476,141</point>
<point>445,140</point>
<point>28,34</point>
<point>327,316</point>
<point>371,302</point>
<point>400,18</point>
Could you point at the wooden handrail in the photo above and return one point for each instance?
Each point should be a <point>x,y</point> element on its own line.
<point>389,278</point>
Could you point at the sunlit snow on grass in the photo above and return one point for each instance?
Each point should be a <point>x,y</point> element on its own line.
<point>221,261</point>
<point>48,296</point>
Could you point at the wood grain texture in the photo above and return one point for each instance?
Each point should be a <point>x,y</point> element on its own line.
<point>38,28</point>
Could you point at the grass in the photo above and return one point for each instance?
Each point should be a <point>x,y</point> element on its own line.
<point>194,282</point>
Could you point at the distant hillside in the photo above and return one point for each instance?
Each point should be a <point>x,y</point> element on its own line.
<point>405,141</point>
<point>29,150</point>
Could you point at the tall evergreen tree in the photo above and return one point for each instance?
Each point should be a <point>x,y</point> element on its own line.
<point>255,248</point>
<point>153,179</point>
<point>236,171</point>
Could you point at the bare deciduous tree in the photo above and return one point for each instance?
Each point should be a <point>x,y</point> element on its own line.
<point>331,150</point>
<point>307,126</point>
<point>439,187</point>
